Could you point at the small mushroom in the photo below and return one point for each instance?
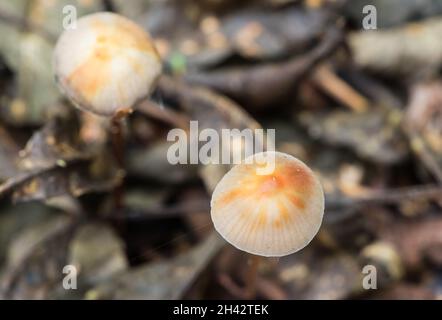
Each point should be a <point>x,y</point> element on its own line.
<point>106,64</point>
<point>272,214</point>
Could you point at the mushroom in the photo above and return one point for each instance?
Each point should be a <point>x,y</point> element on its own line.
<point>272,214</point>
<point>106,64</point>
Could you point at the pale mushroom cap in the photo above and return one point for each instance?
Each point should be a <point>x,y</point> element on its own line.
<point>270,215</point>
<point>106,64</point>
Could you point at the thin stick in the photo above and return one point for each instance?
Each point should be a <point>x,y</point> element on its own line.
<point>419,148</point>
<point>166,115</point>
<point>118,152</point>
<point>339,89</point>
<point>252,276</point>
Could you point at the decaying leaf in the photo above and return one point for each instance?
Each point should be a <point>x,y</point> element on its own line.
<point>392,12</point>
<point>163,279</point>
<point>200,39</point>
<point>407,291</point>
<point>29,55</point>
<point>56,142</point>
<point>75,180</point>
<point>265,85</point>
<point>410,50</point>
<point>15,219</point>
<point>258,34</point>
<point>416,242</point>
<point>424,123</point>
<point>8,154</point>
<point>55,163</point>
<point>153,163</point>
<point>36,259</point>
<point>372,135</point>
<point>327,277</point>
<point>97,254</point>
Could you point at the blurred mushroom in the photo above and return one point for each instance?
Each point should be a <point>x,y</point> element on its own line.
<point>385,256</point>
<point>106,64</point>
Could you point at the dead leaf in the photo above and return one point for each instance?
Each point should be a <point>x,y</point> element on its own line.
<point>161,280</point>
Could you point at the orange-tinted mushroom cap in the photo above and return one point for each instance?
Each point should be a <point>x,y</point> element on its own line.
<point>106,64</point>
<point>272,214</point>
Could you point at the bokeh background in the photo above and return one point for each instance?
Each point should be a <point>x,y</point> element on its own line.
<point>363,108</point>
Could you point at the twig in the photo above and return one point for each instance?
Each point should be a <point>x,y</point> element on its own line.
<point>418,147</point>
<point>325,78</point>
<point>232,288</point>
<point>197,101</point>
<point>252,276</point>
<point>117,139</point>
<point>270,290</point>
<point>166,115</point>
<point>345,207</point>
<point>160,212</point>
<point>390,196</point>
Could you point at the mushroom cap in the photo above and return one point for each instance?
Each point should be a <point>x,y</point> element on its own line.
<point>272,214</point>
<point>106,64</point>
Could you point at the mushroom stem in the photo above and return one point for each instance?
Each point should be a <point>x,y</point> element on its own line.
<point>117,140</point>
<point>252,276</point>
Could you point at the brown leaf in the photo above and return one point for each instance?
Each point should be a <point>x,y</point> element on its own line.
<point>370,134</point>
<point>266,85</point>
<point>161,280</point>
